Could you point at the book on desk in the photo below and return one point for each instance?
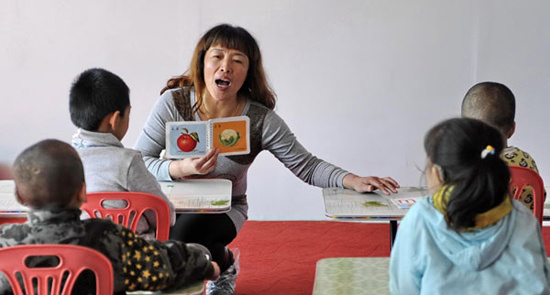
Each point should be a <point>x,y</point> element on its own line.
<point>346,203</point>
<point>188,196</point>
<point>8,204</point>
<point>199,195</point>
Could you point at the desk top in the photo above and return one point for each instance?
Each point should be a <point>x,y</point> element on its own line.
<point>345,203</point>
<point>199,195</point>
<point>196,195</point>
<point>8,204</point>
<point>353,276</point>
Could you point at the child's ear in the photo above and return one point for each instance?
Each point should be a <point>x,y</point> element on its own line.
<point>18,197</point>
<point>512,130</point>
<point>439,173</point>
<point>113,119</point>
<point>82,194</point>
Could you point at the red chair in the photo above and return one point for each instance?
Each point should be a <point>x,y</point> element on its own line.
<point>137,204</point>
<point>51,280</point>
<point>522,177</point>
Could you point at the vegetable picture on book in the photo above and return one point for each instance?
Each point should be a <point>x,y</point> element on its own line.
<point>194,138</point>
<point>229,137</point>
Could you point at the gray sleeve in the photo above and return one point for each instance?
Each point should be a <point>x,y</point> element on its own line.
<point>152,139</point>
<point>282,143</point>
<point>140,180</point>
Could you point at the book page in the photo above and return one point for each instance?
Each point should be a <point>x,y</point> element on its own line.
<point>186,139</point>
<point>231,135</point>
<point>199,195</point>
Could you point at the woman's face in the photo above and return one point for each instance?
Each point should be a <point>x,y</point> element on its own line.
<point>224,72</point>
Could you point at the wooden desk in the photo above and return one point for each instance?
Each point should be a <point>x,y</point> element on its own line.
<point>352,276</point>
<point>348,204</point>
<point>197,195</point>
<point>9,208</point>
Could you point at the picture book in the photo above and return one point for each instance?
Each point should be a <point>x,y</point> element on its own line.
<point>9,207</point>
<point>346,203</point>
<point>199,195</point>
<point>194,138</point>
<point>404,203</point>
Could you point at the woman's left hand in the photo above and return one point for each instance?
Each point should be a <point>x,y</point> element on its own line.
<point>370,183</point>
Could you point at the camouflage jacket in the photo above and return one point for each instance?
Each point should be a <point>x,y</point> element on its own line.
<point>137,264</point>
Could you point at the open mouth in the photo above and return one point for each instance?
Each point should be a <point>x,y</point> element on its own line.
<point>222,82</point>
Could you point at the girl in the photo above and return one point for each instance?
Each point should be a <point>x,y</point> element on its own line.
<point>469,237</point>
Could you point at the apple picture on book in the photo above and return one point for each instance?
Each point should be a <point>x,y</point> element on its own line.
<point>187,141</point>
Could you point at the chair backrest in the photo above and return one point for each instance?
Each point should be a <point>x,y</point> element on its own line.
<point>522,177</point>
<point>72,261</point>
<point>136,204</point>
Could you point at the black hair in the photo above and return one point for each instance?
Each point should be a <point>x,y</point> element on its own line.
<point>48,174</point>
<point>95,94</point>
<point>479,183</point>
<point>492,103</point>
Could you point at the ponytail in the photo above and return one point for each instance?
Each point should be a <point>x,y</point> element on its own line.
<point>467,150</point>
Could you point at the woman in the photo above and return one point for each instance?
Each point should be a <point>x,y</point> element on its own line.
<point>226,79</point>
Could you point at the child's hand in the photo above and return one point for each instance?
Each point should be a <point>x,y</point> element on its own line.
<point>368,184</point>
<point>216,271</point>
<point>190,166</point>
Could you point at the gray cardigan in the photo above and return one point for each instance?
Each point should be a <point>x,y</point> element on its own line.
<point>109,167</point>
<point>268,132</point>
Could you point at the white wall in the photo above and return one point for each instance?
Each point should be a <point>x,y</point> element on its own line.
<point>359,82</point>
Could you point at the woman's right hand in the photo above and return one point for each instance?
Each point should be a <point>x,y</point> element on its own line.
<point>191,166</point>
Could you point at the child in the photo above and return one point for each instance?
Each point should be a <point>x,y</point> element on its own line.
<point>49,179</point>
<point>494,104</point>
<point>100,107</point>
<point>469,237</point>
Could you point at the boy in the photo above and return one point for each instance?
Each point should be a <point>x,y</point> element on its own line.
<point>495,104</point>
<point>100,107</point>
<point>49,179</point>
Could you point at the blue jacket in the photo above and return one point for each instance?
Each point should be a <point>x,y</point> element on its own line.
<point>430,258</point>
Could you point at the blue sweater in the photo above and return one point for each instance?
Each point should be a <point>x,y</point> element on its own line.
<point>430,258</point>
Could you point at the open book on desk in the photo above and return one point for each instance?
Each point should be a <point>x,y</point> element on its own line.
<point>9,207</point>
<point>193,195</point>
<point>194,138</point>
<point>199,195</point>
<point>345,203</point>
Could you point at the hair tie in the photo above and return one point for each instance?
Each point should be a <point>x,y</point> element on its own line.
<point>489,150</point>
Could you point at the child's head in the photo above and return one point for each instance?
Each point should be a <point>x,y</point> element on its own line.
<point>49,175</point>
<point>492,103</point>
<point>100,101</point>
<point>463,154</point>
